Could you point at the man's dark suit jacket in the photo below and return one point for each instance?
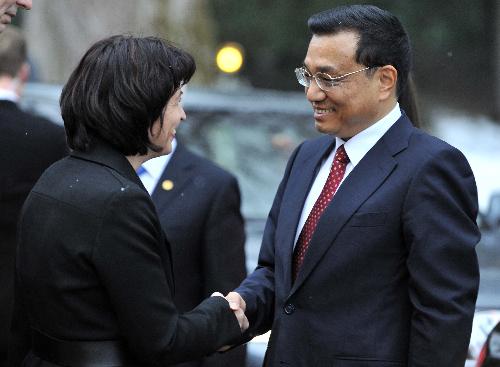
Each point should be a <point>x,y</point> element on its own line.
<point>28,145</point>
<point>93,264</point>
<point>390,277</point>
<point>200,214</point>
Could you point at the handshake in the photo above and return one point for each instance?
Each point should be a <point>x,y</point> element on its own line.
<point>238,305</point>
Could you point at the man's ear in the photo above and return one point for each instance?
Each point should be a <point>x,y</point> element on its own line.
<point>388,78</point>
<point>24,72</point>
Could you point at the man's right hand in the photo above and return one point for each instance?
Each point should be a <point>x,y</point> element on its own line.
<point>238,305</point>
<point>236,301</point>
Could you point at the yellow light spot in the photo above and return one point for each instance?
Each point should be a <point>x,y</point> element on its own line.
<point>230,58</point>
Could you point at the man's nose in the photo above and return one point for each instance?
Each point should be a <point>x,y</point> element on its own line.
<point>314,93</point>
<point>26,4</point>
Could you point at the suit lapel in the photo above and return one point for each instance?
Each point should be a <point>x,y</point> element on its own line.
<point>176,172</point>
<point>364,179</point>
<point>301,179</point>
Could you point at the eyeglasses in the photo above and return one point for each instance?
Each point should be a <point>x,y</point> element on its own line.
<point>324,81</point>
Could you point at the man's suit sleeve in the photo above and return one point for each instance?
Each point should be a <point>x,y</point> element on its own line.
<point>440,231</point>
<point>128,261</point>
<point>258,289</point>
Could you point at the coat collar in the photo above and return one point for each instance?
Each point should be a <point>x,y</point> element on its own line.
<point>105,154</point>
<point>5,103</point>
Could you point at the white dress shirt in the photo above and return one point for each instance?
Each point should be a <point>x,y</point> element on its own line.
<point>356,148</point>
<point>154,168</point>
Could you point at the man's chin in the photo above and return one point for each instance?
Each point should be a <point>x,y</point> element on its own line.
<point>324,128</point>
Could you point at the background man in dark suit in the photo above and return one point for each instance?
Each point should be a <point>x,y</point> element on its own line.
<point>28,145</point>
<point>368,261</point>
<point>8,10</point>
<point>198,204</point>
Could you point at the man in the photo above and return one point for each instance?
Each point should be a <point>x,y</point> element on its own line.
<point>199,208</point>
<point>8,10</point>
<point>369,261</point>
<point>28,145</point>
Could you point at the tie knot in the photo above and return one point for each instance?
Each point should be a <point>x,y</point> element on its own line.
<point>341,155</point>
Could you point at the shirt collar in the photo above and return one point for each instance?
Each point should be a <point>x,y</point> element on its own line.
<point>155,167</point>
<point>7,94</point>
<point>357,146</point>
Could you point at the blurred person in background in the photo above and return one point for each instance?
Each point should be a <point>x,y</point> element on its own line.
<point>94,280</point>
<point>368,256</point>
<point>8,10</point>
<point>198,204</point>
<point>28,145</point>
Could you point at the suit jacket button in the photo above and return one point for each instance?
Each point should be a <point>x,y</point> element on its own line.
<point>289,309</point>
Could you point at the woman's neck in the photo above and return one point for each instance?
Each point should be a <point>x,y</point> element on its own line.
<point>137,160</point>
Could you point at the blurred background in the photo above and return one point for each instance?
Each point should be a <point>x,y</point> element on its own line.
<point>456,46</point>
<point>456,43</point>
<point>250,118</point>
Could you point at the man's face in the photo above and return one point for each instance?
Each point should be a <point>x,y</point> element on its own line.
<point>8,10</point>
<point>352,105</point>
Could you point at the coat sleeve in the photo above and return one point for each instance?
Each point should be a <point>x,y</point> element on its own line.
<point>441,233</point>
<point>127,259</point>
<point>258,289</point>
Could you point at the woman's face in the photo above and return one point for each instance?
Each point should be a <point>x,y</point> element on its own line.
<point>173,114</point>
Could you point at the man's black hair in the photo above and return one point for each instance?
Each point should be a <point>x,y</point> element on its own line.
<point>382,38</point>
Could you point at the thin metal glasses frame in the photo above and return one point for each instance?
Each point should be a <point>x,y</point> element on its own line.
<point>304,77</point>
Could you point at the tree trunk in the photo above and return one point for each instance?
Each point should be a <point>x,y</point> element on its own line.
<point>60,31</point>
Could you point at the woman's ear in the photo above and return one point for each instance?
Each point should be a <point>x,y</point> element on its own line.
<point>154,131</point>
<point>388,78</point>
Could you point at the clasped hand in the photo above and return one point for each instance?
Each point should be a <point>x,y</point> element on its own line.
<point>238,305</point>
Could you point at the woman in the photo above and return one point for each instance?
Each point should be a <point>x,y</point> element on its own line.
<point>94,273</point>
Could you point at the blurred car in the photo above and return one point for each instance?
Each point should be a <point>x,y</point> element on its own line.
<point>490,353</point>
<point>252,133</point>
<point>491,219</point>
<point>484,322</point>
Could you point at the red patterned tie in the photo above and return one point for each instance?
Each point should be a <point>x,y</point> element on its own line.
<point>332,183</point>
